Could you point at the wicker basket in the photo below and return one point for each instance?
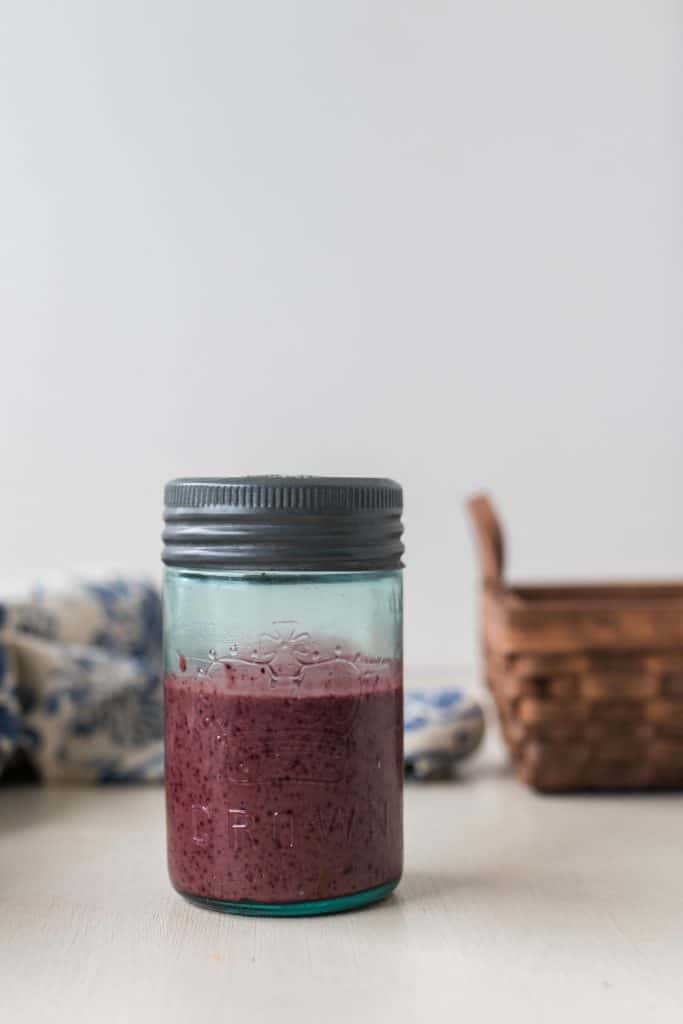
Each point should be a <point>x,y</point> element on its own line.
<point>588,680</point>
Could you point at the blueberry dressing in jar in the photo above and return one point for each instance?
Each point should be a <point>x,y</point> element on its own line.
<point>283,692</point>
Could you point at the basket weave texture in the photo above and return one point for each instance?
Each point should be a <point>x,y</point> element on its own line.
<point>587,679</point>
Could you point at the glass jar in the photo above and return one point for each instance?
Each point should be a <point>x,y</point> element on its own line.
<point>283,692</point>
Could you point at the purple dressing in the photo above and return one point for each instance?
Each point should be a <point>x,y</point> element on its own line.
<point>279,792</point>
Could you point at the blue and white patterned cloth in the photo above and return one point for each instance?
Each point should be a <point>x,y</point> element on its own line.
<point>81,691</point>
<point>441,729</point>
<point>80,683</point>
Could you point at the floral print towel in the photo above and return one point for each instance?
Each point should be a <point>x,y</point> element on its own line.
<point>80,685</point>
<point>442,728</point>
<point>81,692</point>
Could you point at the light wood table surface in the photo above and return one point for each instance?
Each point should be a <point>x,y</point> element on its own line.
<point>514,907</point>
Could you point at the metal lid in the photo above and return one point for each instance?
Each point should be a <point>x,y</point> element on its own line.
<point>283,522</point>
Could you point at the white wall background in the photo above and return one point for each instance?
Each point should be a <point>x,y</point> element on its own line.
<point>441,241</point>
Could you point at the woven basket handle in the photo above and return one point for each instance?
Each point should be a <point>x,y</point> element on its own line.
<point>489,539</point>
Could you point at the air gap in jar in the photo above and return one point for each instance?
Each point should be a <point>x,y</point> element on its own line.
<point>283,691</point>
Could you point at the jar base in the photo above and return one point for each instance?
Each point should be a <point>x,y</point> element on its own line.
<point>307,908</point>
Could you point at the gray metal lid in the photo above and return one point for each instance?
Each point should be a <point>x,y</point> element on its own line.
<point>283,523</point>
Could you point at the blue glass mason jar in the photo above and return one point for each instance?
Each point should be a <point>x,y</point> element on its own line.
<point>283,692</point>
